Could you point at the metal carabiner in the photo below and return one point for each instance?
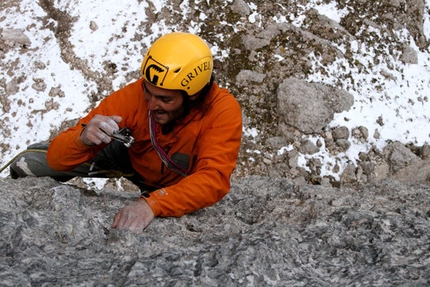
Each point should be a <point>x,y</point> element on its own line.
<point>123,135</point>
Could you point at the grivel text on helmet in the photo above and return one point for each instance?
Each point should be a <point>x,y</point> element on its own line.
<point>206,66</point>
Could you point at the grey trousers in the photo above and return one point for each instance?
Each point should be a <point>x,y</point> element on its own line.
<point>112,161</point>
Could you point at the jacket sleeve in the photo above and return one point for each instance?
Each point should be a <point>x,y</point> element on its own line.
<point>218,148</point>
<point>66,151</point>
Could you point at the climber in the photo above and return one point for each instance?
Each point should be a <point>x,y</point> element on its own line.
<point>174,133</point>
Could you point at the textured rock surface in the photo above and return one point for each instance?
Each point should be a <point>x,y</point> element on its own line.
<point>265,232</point>
<point>310,107</point>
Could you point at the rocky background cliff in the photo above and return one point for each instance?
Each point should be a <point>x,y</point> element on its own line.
<point>306,208</point>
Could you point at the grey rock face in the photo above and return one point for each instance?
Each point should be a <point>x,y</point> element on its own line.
<point>265,232</point>
<point>309,107</point>
<point>246,76</point>
<point>400,156</point>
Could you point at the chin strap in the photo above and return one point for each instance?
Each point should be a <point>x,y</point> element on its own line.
<point>170,164</point>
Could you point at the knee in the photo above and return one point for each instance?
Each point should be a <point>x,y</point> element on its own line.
<point>23,166</point>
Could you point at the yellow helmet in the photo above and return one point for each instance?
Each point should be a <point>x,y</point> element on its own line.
<point>178,61</point>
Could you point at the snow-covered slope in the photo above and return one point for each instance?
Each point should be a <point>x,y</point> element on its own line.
<point>78,52</point>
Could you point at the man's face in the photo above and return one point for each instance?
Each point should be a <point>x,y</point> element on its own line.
<point>166,105</point>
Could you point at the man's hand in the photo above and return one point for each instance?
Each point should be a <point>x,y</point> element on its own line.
<point>134,217</point>
<point>99,128</point>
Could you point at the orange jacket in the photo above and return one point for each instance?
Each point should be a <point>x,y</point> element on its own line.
<point>211,139</point>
